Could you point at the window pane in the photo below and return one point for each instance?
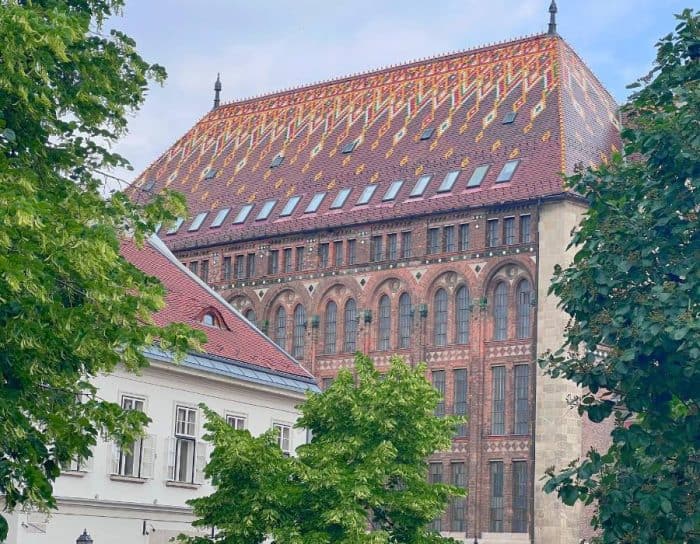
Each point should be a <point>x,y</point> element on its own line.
<point>219,219</point>
<point>352,252</point>
<point>338,253</point>
<point>522,409</point>
<point>492,233</point>
<point>449,243</point>
<point>330,327</point>
<point>498,407</point>
<point>458,510</point>
<point>266,210</point>
<point>520,496</point>
<point>460,398</point>
<point>524,229</point>
<point>440,331</point>
<point>405,321</point>
<point>376,249</point>
<point>496,510</point>
<point>366,194</point>
<point>281,327</point>
<point>449,181</point>
<point>523,297</point>
<point>350,324</point>
<point>509,230</point>
<point>176,226</point>
<point>406,245</point>
<point>243,214</point>
<point>500,312</point>
<point>315,202</point>
<point>392,191</point>
<point>438,379</point>
<point>462,300</point>
<point>289,206</point>
<point>384,337</point>
<point>433,241</point>
<point>299,332</point>
<point>507,171</point>
<point>198,221</point>
<point>391,246</point>
<point>340,199</point>
<point>420,186</point>
<point>478,176</point>
<point>435,477</point>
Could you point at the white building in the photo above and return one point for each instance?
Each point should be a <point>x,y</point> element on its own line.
<point>140,497</point>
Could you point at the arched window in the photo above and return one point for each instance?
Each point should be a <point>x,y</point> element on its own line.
<point>500,312</point>
<point>250,316</point>
<point>440,308</point>
<point>299,332</point>
<point>209,320</point>
<point>384,337</point>
<point>524,296</point>
<point>281,327</point>
<point>350,324</point>
<point>405,321</point>
<point>462,311</point>
<point>330,323</point>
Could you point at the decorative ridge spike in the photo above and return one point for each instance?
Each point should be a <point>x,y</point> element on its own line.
<point>552,30</point>
<point>217,91</point>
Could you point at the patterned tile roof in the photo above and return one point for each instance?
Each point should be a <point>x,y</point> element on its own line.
<point>188,299</point>
<point>429,117</point>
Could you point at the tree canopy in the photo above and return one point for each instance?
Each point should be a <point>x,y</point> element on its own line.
<point>633,292</point>
<point>361,479</point>
<point>70,306</point>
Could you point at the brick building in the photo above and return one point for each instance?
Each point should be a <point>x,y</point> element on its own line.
<point>417,210</point>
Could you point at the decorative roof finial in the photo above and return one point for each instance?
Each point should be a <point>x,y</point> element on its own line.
<point>217,91</point>
<point>552,18</point>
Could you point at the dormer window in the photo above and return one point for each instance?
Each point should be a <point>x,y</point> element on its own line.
<point>427,133</point>
<point>349,147</point>
<point>209,320</point>
<point>289,206</point>
<point>392,191</point>
<point>509,117</point>
<point>420,186</point>
<point>210,317</point>
<point>210,173</point>
<point>242,214</point>
<point>507,171</point>
<point>315,203</point>
<point>340,199</point>
<point>149,185</point>
<point>366,195</point>
<point>198,221</point>
<point>449,181</point>
<point>478,176</point>
<point>176,226</point>
<point>277,161</point>
<point>219,219</point>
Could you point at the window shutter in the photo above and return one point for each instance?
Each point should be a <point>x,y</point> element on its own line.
<point>148,454</point>
<point>170,445</point>
<point>200,462</point>
<point>115,458</point>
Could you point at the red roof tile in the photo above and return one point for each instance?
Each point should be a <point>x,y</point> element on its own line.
<point>188,298</point>
<point>563,117</point>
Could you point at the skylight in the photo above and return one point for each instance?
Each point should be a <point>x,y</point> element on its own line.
<point>340,198</point>
<point>427,133</point>
<point>289,206</point>
<point>509,117</point>
<point>392,191</point>
<point>210,173</point>
<point>151,183</point>
<point>219,219</point>
<point>507,171</point>
<point>277,161</point>
<point>315,203</point>
<point>449,181</point>
<point>198,221</point>
<point>420,186</point>
<point>243,214</point>
<point>366,195</point>
<point>266,210</point>
<point>478,175</point>
<point>349,147</point>
<point>176,226</point>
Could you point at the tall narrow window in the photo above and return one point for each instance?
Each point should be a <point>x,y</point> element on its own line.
<point>250,316</point>
<point>338,253</point>
<point>273,261</point>
<point>204,271</point>
<point>284,438</point>
<point>406,245</point>
<point>299,332</point>
<point>183,468</point>
<point>226,269</point>
<point>391,246</point>
<point>524,229</point>
<point>440,330</point>
<point>520,496</point>
<point>498,403</point>
<point>350,326</point>
<point>496,510</point>
<point>240,267</point>
<point>449,242</point>
<point>464,237</point>
<point>492,233</point>
<point>435,477</point>
<point>288,259</point>
<point>376,248</point>
<point>460,398</point>
<point>351,252</point>
<point>523,296</point>
<point>500,312</point>
<point>250,265</point>
<point>433,245</point>
<point>458,508</point>
<point>384,336</point>
<point>330,327</point>
<point>299,262</point>
<point>405,321</point>
<point>462,311</point>
<point>509,231</point>
<point>194,267</point>
<point>323,250</point>
<point>520,401</point>
<point>281,327</point>
<point>439,384</point>
<point>137,460</point>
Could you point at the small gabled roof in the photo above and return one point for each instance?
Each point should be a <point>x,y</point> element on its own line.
<point>235,340</point>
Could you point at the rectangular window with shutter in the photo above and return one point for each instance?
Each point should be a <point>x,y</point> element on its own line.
<point>135,461</point>
<point>185,445</point>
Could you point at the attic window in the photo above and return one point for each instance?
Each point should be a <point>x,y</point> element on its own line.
<point>243,214</point>
<point>176,226</point>
<point>277,161</point>
<point>509,117</point>
<point>315,203</point>
<point>507,171</point>
<point>478,175</point>
<point>149,185</point>
<point>420,186</point>
<point>366,195</point>
<point>219,219</point>
<point>266,210</point>
<point>449,181</point>
<point>198,221</point>
<point>209,320</point>
<point>289,206</point>
<point>349,148</point>
<point>210,173</point>
<point>392,191</point>
<point>427,133</point>
<point>340,199</point>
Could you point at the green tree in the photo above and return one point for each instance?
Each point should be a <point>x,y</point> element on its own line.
<point>633,292</point>
<point>366,463</point>
<point>70,306</point>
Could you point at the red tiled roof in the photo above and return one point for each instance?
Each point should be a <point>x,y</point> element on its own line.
<point>563,117</point>
<point>188,298</point>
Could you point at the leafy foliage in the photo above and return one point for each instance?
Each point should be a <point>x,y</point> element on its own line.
<point>634,288</point>
<point>365,463</point>
<point>70,306</point>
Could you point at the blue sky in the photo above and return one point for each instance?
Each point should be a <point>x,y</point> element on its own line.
<point>265,45</point>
